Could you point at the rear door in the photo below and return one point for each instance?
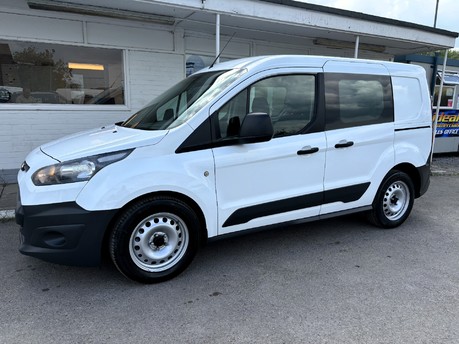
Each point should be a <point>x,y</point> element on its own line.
<point>359,131</point>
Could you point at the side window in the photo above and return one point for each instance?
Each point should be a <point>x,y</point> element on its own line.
<point>288,99</point>
<point>354,100</point>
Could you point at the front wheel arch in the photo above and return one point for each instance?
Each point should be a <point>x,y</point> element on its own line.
<point>189,201</point>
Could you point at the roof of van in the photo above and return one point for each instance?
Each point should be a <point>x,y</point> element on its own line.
<point>285,61</point>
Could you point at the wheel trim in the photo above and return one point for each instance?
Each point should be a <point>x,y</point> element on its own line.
<point>158,242</point>
<point>396,200</point>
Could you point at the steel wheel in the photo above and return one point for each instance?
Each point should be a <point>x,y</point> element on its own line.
<point>158,242</point>
<point>393,201</point>
<point>396,200</point>
<point>155,239</point>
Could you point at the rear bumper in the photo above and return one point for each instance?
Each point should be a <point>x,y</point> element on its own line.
<point>62,233</point>
<point>424,179</point>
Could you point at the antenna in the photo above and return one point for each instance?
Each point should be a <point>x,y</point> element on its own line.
<point>212,64</point>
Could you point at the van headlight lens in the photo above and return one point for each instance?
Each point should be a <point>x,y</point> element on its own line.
<point>78,170</point>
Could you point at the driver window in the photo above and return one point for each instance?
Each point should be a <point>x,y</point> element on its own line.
<point>288,99</point>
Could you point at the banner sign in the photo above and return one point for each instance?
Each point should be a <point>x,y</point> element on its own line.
<point>447,124</point>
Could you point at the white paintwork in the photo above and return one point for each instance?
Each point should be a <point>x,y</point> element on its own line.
<point>224,179</point>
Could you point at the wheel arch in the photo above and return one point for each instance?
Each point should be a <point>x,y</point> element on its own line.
<point>413,173</point>
<point>186,199</point>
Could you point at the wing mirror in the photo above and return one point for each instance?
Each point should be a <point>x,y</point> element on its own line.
<point>256,127</point>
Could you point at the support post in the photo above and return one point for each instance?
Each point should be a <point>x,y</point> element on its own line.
<point>440,91</point>
<point>357,43</point>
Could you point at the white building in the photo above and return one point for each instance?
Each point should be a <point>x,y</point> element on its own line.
<point>66,66</point>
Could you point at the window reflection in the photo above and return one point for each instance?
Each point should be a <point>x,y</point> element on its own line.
<point>59,74</point>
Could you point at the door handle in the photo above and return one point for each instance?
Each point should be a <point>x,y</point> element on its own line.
<point>307,150</point>
<point>344,144</point>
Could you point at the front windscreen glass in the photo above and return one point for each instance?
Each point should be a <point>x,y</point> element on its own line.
<point>182,101</point>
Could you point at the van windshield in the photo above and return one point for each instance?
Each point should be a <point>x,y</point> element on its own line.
<point>182,101</point>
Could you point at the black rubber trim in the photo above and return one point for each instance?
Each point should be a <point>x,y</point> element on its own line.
<point>424,178</point>
<point>413,128</point>
<point>62,233</point>
<point>345,194</point>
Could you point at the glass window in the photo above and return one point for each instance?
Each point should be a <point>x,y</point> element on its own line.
<point>60,74</point>
<point>353,100</point>
<point>447,96</point>
<point>181,102</point>
<point>288,99</point>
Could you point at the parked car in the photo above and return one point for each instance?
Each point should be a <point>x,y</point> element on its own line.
<point>240,145</point>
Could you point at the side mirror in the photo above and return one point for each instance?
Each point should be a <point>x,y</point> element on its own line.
<point>256,127</point>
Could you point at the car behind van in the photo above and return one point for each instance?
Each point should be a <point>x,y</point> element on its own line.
<point>243,144</point>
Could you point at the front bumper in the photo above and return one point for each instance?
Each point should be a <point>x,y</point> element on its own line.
<point>63,233</point>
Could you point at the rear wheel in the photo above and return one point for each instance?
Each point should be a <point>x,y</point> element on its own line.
<point>394,200</point>
<point>155,239</point>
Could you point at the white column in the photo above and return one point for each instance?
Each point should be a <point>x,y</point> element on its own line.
<point>356,51</point>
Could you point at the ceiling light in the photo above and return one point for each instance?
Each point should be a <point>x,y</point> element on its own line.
<point>87,66</point>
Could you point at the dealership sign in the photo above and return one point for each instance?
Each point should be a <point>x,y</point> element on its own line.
<point>447,124</point>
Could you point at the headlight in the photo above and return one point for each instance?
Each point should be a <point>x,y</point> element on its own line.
<point>77,170</point>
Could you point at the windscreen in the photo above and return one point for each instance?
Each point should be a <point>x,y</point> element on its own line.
<point>182,101</point>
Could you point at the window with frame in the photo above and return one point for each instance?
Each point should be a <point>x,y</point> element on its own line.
<point>288,99</point>
<point>355,100</point>
<point>32,72</point>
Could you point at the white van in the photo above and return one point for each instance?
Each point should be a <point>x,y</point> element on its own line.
<point>243,144</point>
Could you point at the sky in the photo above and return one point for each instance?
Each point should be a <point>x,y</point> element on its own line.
<point>414,11</point>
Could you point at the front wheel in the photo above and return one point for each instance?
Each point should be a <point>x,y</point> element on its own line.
<point>155,239</point>
<point>394,200</point>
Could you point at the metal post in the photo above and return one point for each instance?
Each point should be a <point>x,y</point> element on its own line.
<point>440,91</point>
<point>356,51</point>
<point>217,37</point>
<point>436,12</point>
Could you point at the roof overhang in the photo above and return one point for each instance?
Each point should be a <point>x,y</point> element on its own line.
<point>283,21</point>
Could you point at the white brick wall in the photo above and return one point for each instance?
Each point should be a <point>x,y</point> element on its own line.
<point>152,73</point>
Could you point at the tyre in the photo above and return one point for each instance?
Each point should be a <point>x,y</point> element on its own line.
<point>155,239</point>
<point>394,200</point>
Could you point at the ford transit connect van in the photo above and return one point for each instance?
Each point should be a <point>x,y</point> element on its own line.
<point>244,144</point>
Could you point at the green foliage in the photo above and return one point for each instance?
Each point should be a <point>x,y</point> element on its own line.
<point>453,54</point>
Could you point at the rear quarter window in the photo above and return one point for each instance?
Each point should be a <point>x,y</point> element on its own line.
<point>355,100</point>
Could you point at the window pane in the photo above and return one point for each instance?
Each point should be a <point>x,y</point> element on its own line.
<point>447,96</point>
<point>288,99</point>
<point>354,100</point>
<point>60,74</point>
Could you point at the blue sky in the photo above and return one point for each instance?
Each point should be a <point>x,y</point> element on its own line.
<point>415,11</point>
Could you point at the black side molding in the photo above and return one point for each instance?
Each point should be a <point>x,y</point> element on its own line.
<point>345,194</point>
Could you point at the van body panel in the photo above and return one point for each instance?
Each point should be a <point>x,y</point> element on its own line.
<point>367,161</point>
<point>109,138</point>
<point>257,174</point>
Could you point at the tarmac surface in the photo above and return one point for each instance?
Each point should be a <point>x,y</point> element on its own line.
<point>334,281</point>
